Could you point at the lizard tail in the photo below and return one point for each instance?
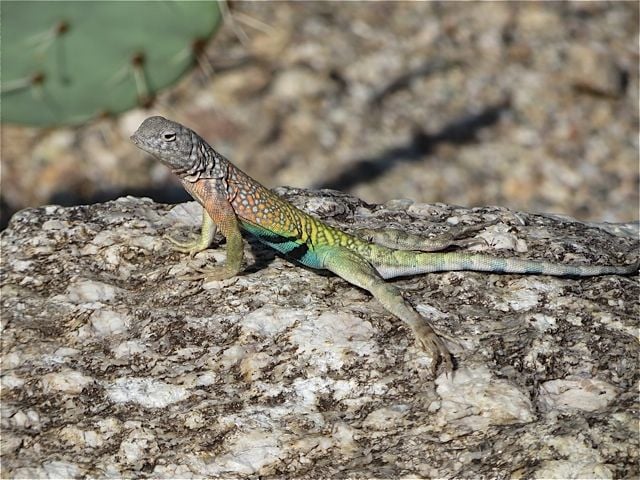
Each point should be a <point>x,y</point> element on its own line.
<point>402,263</point>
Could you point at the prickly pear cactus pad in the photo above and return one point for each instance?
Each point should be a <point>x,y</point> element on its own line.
<point>66,62</point>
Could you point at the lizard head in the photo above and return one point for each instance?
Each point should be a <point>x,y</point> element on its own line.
<point>180,148</point>
<point>169,141</point>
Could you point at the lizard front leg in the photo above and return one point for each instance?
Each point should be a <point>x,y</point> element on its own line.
<point>219,214</point>
<point>356,270</point>
<point>208,230</point>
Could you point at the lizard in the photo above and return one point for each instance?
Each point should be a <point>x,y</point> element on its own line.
<point>233,202</point>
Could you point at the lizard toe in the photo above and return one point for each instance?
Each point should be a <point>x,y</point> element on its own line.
<point>210,274</point>
<point>440,354</point>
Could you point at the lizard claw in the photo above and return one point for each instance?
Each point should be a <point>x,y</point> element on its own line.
<point>469,242</point>
<point>191,247</point>
<point>431,343</point>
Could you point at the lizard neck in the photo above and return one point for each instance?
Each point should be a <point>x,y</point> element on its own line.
<point>206,163</point>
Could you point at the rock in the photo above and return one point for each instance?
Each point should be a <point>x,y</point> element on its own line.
<point>583,394</point>
<point>293,84</point>
<point>67,381</point>
<point>594,70</point>
<point>114,367</point>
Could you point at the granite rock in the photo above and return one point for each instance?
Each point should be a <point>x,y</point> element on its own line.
<point>115,367</point>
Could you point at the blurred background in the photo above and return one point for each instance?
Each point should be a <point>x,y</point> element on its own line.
<point>527,105</point>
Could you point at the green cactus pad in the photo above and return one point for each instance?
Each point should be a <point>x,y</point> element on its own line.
<point>67,62</point>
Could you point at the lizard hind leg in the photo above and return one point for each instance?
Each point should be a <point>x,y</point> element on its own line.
<point>402,240</point>
<point>357,271</point>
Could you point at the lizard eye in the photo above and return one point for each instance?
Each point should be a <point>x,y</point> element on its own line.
<point>169,136</point>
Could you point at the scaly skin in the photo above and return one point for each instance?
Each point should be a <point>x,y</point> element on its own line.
<point>233,201</point>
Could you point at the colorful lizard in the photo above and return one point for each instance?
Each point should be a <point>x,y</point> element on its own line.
<point>233,202</point>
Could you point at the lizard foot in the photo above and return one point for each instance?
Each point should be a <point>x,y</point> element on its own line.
<point>191,247</point>
<point>430,342</point>
<point>209,274</point>
<point>456,234</point>
<point>468,242</point>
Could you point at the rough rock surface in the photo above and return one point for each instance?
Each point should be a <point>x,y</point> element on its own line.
<point>114,367</point>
